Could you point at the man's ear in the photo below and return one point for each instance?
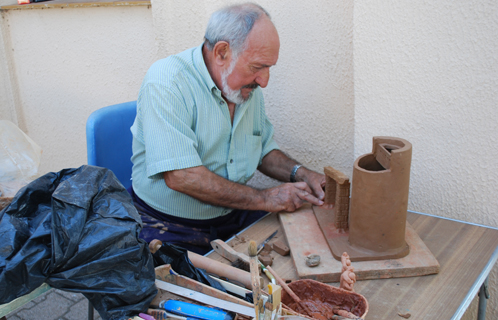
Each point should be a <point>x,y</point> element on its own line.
<point>222,53</point>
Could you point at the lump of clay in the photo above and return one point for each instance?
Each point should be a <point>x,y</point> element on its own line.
<point>312,260</point>
<point>280,247</point>
<point>265,259</point>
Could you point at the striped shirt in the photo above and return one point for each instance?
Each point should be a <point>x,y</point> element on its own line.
<point>183,121</point>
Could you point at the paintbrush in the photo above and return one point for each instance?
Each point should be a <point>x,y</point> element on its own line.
<point>268,273</point>
<point>238,259</point>
<point>255,279</point>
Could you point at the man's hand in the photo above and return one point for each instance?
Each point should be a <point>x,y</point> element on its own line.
<point>289,197</point>
<point>315,181</point>
<point>278,165</point>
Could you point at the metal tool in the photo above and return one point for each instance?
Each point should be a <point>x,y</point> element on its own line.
<point>262,244</point>
<point>238,259</point>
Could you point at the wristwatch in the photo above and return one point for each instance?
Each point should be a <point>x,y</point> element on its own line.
<point>293,172</point>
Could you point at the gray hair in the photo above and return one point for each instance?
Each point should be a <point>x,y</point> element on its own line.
<point>233,24</point>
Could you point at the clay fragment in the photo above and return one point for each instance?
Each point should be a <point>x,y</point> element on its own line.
<point>268,248</point>
<point>265,259</point>
<point>312,260</point>
<point>241,239</point>
<point>404,315</point>
<point>280,247</point>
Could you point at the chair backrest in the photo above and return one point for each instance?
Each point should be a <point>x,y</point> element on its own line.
<point>108,139</point>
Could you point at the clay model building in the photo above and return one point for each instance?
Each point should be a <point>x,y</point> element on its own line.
<point>376,218</point>
<point>337,193</point>
<point>371,225</point>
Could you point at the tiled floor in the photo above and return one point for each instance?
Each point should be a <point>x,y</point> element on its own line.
<point>54,305</point>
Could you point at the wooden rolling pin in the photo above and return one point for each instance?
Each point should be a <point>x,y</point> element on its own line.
<point>212,266</point>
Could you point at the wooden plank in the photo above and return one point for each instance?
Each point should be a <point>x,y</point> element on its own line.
<point>305,237</point>
<point>163,274</point>
<point>19,302</point>
<point>74,4</point>
<point>204,298</point>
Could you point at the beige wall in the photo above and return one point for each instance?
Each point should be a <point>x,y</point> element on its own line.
<point>428,72</point>
<point>66,63</point>
<point>425,72</point>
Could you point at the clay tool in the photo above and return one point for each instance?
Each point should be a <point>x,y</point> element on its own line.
<point>212,266</point>
<point>255,279</point>
<point>262,244</point>
<point>146,316</point>
<point>193,310</point>
<point>238,259</point>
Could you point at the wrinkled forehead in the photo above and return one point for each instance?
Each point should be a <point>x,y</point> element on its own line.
<point>263,43</point>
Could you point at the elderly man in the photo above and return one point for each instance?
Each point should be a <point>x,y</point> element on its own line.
<point>201,132</point>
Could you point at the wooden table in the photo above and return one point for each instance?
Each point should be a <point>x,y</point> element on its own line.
<point>466,253</point>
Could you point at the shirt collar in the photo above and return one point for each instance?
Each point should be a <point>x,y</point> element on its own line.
<point>201,67</point>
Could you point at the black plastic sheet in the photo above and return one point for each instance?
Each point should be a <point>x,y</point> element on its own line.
<point>177,257</point>
<point>77,230</point>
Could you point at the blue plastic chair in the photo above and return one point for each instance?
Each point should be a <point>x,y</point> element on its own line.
<point>108,139</point>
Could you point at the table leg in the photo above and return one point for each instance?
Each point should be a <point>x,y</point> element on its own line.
<point>483,299</point>
<point>90,310</point>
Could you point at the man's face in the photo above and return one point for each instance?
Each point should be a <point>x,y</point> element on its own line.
<point>252,67</point>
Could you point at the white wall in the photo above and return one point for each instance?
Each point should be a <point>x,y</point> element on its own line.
<point>428,72</point>
<point>7,93</point>
<point>69,62</point>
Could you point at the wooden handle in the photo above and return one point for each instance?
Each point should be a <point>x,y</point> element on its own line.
<point>212,266</point>
<point>154,245</point>
<point>221,269</point>
<point>227,252</point>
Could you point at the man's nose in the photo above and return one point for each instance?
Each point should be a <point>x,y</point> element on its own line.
<point>263,78</point>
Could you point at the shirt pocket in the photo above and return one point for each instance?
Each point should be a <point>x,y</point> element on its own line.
<point>250,156</point>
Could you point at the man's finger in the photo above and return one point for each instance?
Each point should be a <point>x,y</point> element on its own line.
<point>310,198</point>
<point>319,192</point>
<point>303,186</point>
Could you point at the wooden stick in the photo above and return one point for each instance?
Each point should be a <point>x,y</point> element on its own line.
<point>255,279</point>
<point>212,266</point>
<point>284,285</point>
<point>289,291</point>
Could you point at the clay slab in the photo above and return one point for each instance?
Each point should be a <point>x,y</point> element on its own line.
<point>305,237</point>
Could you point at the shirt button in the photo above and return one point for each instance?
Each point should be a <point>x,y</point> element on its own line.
<point>222,102</point>
<point>231,160</point>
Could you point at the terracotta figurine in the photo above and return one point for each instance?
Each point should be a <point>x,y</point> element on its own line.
<point>348,278</point>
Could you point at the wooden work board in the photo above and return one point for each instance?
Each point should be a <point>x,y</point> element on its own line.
<point>305,237</point>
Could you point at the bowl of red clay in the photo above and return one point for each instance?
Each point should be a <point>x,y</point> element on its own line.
<point>323,300</point>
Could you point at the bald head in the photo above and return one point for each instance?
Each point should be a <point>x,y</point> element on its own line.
<point>241,45</point>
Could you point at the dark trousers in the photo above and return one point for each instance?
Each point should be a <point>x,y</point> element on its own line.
<point>193,235</point>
